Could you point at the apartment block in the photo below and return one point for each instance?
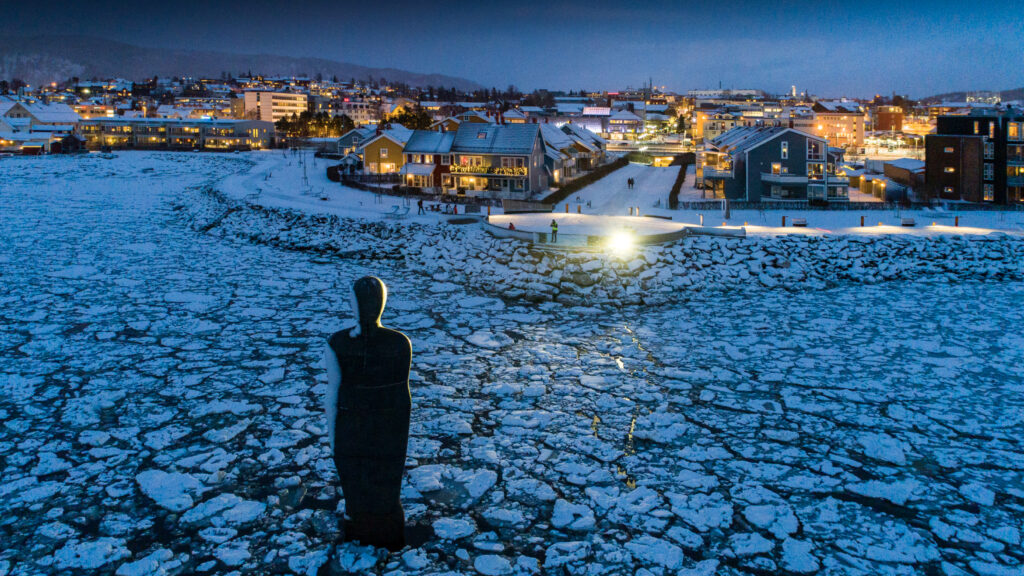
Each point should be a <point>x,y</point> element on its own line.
<point>273,106</point>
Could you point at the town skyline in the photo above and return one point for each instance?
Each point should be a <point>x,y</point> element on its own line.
<point>867,49</point>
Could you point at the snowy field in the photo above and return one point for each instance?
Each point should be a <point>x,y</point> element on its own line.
<point>159,393</point>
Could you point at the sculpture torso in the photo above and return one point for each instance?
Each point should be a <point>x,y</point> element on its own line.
<point>374,382</point>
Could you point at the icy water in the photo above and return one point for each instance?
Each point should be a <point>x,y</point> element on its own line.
<point>159,394</point>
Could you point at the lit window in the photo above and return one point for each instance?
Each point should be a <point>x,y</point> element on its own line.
<point>948,150</point>
<point>384,152</point>
<point>947,190</point>
<point>949,169</point>
<point>977,130</point>
<point>990,193</point>
<point>785,150</point>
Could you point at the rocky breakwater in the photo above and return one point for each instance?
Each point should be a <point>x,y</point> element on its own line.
<point>651,275</point>
<point>661,274</point>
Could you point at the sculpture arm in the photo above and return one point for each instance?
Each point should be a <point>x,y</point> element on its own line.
<point>331,396</point>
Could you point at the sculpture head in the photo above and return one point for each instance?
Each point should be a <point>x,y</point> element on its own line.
<point>369,295</point>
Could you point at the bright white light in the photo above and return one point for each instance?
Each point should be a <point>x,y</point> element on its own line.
<point>621,242</point>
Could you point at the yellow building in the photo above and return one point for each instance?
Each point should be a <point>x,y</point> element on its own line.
<point>383,154</point>
<point>841,122</point>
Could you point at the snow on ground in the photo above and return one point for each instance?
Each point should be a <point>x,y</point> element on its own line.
<point>611,196</point>
<point>857,429</point>
<point>298,181</point>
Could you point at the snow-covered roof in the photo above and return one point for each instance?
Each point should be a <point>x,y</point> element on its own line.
<point>569,108</point>
<point>54,113</point>
<point>496,139</point>
<point>742,138</point>
<point>906,164</point>
<point>626,116</point>
<point>418,169</point>
<point>555,137</point>
<point>584,136</point>
<point>514,114</point>
<point>837,106</point>
<point>430,142</point>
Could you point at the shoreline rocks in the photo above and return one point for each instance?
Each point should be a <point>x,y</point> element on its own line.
<point>652,275</point>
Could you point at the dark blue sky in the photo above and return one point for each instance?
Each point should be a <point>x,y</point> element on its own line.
<point>830,48</point>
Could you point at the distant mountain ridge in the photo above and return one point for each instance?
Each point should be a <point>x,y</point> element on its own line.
<point>44,59</point>
<point>1004,95</point>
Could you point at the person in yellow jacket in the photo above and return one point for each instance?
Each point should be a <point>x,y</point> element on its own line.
<point>554,231</point>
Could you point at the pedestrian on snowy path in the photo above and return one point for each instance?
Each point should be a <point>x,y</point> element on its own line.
<point>419,205</point>
<point>554,231</point>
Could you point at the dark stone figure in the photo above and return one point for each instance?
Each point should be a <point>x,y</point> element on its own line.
<point>368,381</point>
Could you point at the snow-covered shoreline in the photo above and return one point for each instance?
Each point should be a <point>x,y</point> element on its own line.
<point>652,275</point>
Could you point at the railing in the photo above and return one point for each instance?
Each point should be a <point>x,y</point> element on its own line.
<point>783,178</point>
<point>838,180</point>
<point>716,173</point>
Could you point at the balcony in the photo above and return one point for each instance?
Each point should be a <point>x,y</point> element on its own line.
<point>838,180</point>
<point>1015,160</point>
<point>783,178</point>
<point>1015,180</point>
<point>716,173</point>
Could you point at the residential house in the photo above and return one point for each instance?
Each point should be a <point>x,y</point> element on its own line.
<point>382,153</point>
<point>474,116</point>
<point>350,141</point>
<point>977,157</point>
<point>560,155</point>
<point>450,124</point>
<point>498,161</point>
<point>428,158</point>
<point>772,164</point>
<point>625,125</point>
<point>590,147</point>
<point>513,116</point>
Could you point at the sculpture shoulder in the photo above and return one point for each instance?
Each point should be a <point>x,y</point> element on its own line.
<point>395,338</point>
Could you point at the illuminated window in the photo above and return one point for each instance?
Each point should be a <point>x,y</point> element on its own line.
<point>947,190</point>
<point>949,169</point>
<point>990,193</point>
<point>785,150</point>
<point>383,152</point>
<point>977,130</point>
<point>948,150</point>
<point>1013,132</point>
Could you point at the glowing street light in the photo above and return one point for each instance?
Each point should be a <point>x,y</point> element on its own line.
<point>621,242</point>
